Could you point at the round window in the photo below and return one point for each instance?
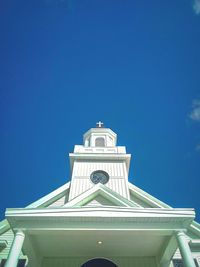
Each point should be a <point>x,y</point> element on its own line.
<point>99,177</point>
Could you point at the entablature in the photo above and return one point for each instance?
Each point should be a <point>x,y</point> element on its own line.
<point>100,157</point>
<point>98,218</point>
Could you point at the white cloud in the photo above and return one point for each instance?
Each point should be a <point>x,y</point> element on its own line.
<point>196,6</point>
<point>195,113</point>
<point>195,116</point>
<point>198,148</point>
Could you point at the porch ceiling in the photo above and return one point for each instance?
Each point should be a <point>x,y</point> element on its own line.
<point>81,243</point>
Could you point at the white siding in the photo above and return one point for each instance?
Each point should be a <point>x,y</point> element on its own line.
<point>100,201</point>
<point>82,171</point>
<point>8,236</point>
<point>140,202</point>
<point>195,253</point>
<point>114,169</point>
<point>58,203</point>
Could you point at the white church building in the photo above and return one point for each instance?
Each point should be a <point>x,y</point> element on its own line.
<point>99,218</point>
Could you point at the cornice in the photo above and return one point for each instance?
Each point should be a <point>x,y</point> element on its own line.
<point>98,156</point>
<point>109,217</point>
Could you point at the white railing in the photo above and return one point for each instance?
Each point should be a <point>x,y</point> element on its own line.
<point>115,150</point>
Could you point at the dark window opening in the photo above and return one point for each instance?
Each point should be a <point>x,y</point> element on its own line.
<point>179,263</point>
<point>21,263</point>
<point>99,263</point>
<point>100,142</point>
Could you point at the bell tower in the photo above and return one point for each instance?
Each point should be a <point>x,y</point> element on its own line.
<point>100,137</point>
<point>99,160</point>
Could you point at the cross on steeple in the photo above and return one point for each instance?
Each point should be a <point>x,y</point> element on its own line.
<point>99,124</point>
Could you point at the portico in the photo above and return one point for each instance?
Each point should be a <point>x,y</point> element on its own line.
<point>78,232</point>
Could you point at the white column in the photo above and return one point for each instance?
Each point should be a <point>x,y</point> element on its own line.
<point>185,250</point>
<point>15,249</point>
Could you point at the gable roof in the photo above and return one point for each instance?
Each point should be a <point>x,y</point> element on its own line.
<point>146,197</point>
<point>42,202</point>
<point>107,193</point>
<point>51,197</point>
<point>156,203</point>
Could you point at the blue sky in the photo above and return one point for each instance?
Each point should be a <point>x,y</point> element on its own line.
<point>66,64</point>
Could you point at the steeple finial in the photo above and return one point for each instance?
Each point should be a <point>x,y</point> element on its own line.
<point>99,124</point>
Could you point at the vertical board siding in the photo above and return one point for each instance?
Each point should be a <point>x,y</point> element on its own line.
<point>86,168</point>
<point>82,171</point>
<point>81,185</point>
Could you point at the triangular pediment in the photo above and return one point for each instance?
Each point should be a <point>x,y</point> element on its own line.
<point>100,200</point>
<point>100,195</point>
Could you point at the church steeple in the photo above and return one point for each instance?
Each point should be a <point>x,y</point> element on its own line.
<point>99,160</point>
<point>100,137</point>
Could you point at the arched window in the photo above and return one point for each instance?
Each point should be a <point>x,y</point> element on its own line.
<point>100,141</point>
<point>99,263</point>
